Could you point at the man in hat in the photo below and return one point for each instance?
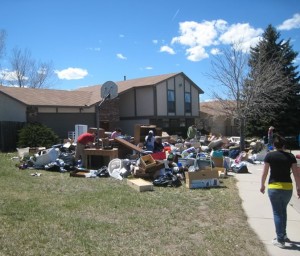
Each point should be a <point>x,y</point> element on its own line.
<point>149,141</point>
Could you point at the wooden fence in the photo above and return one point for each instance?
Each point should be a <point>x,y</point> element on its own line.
<point>9,135</point>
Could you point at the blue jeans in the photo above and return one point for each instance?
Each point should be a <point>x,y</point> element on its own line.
<point>279,200</point>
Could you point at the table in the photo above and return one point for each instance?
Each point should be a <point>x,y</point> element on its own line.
<point>107,154</point>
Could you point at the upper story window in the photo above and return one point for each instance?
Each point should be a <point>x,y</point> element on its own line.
<point>171,101</point>
<point>187,102</point>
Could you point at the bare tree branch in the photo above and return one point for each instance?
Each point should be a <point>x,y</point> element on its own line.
<point>242,94</point>
<point>28,72</point>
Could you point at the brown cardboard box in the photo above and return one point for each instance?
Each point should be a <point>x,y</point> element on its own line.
<point>140,184</point>
<point>202,179</point>
<point>218,161</point>
<point>147,161</point>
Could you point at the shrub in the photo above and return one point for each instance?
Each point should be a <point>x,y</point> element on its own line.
<point>37,135</point>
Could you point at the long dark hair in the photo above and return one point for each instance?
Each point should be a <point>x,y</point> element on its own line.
<point>279,141</point>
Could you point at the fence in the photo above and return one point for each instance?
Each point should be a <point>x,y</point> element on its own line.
<point>9,135</point>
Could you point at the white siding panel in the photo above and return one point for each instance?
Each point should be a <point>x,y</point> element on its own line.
<point>195,101</point>
<point>68,110</point>
<point>161,95</point>
<point>145,101</point>
<point>46,109</point>
<point>179,91</point>
<point>11,110</point>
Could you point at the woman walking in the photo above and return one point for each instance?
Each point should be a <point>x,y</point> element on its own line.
<point>280,186</point>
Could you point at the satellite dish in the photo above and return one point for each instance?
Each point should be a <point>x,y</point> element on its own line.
<point>109,90</point>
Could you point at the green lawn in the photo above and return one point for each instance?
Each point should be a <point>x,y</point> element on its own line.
<point>55,214</point>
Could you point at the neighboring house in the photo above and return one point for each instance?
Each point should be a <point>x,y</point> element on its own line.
<point>214,120</point>
<point>170,101</point>
<point>57,109</point>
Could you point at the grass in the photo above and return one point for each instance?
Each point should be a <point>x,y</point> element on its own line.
<point>55,214</point>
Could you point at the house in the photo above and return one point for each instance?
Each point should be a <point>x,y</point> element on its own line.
<point>215,120</point>
<point>170,101</point>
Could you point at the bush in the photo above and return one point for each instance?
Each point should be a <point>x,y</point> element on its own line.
<point>37,135</point>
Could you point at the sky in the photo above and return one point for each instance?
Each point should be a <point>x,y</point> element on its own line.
<point>90,42</point>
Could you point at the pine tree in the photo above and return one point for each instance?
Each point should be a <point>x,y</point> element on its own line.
<point>285,118</point>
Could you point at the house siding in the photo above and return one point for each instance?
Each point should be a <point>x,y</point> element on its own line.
<point>195,102</point>
<point>161,99</point>
<point>145,101</point>
<point>127,103</point>
<point>179,94</point>
<point>148,105</point>
<point>62,123</point>
<point>11,110</point>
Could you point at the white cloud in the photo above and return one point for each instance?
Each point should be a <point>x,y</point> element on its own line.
<point>121,56</point>
<point>149,68</point>
<point>198,38</point>
<point>96,49</point>
<point>121,35</point>
<point>196,53</point>
<point>167,49</point>
<point>7,75</point>
<point>71,73</point>
<point>203,34</point>
<point>241,34</point>
<point>215,51</point>
<point>291,23</point>
<point>154,41</point>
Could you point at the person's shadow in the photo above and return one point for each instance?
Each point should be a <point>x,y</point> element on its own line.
<point>292,245</point>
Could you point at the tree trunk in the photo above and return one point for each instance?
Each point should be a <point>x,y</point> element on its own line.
<point>242,134</point>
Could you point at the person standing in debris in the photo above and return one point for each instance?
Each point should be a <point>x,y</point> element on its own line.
<point>149,141</point>
<point>116,133</point>
<point>270,137</point>
<point>158,146</point>
<point>280,186</point>
<point>192,132</point>
<point>83,140</point>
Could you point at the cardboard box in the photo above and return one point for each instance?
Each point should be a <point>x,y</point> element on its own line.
<point>221,171</point>
<point>140,185</point>
<point>157,166</point>
<point>207,183</point>
<point>202,179</point>
<point>218,161</point>
<point>147,161</point>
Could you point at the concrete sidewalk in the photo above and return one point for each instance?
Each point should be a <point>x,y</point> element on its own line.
<point>259,212</point>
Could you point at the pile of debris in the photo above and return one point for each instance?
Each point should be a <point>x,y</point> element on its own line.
<point>197,164</point>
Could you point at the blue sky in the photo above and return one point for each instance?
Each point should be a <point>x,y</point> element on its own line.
<point>92,41</point>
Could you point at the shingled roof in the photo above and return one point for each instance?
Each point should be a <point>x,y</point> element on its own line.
<point>48,97</point>
<point>215,108</point>
<point>85,96</point>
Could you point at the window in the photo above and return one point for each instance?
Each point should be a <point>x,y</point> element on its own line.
<point>187,102</point>
<point>171,101</point>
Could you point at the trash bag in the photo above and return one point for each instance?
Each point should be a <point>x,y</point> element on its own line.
<point>240,168</point>
<point>103,172</point>
<point>167,180</point>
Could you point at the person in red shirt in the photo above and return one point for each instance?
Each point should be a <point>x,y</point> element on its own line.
<point>83,140</point>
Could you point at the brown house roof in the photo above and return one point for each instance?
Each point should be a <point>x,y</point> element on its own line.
<point>126,85</point>
<point>215,108</point>
<point>47,97</point>
<point>85,96</point>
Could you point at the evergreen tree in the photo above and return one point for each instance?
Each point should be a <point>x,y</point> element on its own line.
<point>285,118</point>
